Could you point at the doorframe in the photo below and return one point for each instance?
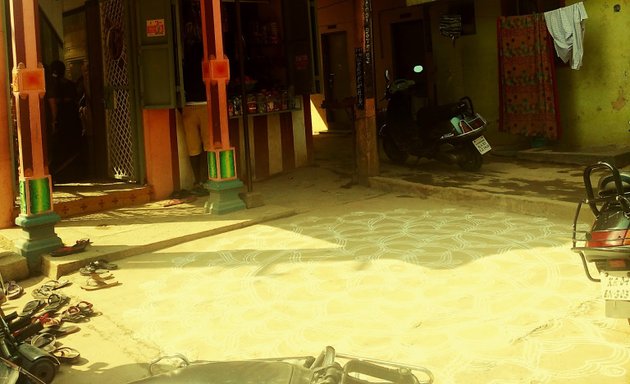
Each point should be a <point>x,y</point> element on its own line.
<point>324,32</point>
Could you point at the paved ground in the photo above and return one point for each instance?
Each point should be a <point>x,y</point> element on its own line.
<point>475,293</point>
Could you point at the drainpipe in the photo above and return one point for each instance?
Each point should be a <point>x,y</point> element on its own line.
<point>37,218</point>
<point>7,196</point>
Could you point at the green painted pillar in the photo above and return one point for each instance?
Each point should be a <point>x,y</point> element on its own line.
<point>37,218</point>
<point>223,185</point>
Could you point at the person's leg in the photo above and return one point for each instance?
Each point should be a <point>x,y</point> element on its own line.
<point>193,141</point>
<point>204,133</point>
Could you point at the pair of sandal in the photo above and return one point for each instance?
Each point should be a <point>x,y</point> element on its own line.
<point>79,246</point>
<point>79,313</point>
<point>97,267</point>
<point>48,288</point>
<point>47,342</point>
<point>41,307</point>
<point>11,289</point>
<point>100,275</point>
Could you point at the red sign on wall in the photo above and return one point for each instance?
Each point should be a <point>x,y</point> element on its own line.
<point>156,28</point>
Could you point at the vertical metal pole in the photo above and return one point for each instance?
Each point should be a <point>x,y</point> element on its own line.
<point>245,118</point>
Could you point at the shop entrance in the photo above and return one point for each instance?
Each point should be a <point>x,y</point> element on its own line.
<point>98,67</point>
<point>119,105</point>
<point>337,84</point>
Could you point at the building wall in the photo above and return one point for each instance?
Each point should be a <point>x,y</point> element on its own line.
<point>593,100</point>
<point>593,105</point>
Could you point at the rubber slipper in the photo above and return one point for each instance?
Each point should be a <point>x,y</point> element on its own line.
<point>64,330</point>
<point>55,302</point>
<point>90,270</point>
<point>94,284</point>
<point>79,246</point>
<point>56,284</point>
<point>102,275</point>
<point>44,341</point>
<point>85,307</point>
<point>172,202</point>
<point>74,315</point>
<point>42,292</point>
<point>13,290</point>
<point>104,264</point>
<point>66,354</point>
<point>50,322</point>
<point>31,307</point>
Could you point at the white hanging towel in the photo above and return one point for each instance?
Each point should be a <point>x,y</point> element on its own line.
<point>566,26</point>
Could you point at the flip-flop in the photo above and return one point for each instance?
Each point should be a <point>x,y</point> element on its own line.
<point>184,200</point>
<point>74,315</point>
<point>79,246</point>
<point>55,302</point>
<point>94,284</point>
<point>56,284</point>
<point>89,270</point>
<point>66,354</point>
<point>42,292</point>
<point>13,290</point>
<point>31,307</point>
<point>104,264</point>
<point>103,275</point>
<point>44,341</point>
<point>60,331</point>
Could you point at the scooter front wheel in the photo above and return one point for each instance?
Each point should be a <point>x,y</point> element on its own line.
<point>393,151</point>
<point>469,158</point>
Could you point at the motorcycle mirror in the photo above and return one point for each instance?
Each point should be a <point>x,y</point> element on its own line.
<point>418,68</point>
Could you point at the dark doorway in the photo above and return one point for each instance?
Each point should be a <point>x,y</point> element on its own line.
<point>408,51</point>
<point>337,90</point>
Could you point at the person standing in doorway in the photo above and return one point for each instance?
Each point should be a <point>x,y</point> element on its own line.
<point>66,125</point>
<point>195,112</point>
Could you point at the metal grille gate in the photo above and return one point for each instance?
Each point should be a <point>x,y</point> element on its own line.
<point>120,132</point>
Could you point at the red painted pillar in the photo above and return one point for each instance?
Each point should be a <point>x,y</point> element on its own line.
<point>223,184</point>
<point>37,217</point>
<point>7,196</point>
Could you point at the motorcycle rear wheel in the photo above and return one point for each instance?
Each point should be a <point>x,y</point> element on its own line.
<point>470,158</point>
<point>393,151</point>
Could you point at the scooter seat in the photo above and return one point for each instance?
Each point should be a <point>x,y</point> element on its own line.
<point>606,185</point>
<point>429,116</point>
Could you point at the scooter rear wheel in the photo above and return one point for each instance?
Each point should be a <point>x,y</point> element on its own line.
<point>470,159</point>
<point>393,151</point>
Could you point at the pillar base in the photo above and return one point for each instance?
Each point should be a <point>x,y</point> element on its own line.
<point>223,197</point>
<point>38,238</point>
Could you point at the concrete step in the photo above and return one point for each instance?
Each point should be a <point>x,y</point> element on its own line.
<point>12,266</point>
<point>617,157</point>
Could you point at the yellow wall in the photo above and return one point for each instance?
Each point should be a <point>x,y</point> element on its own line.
<point>593,102</point>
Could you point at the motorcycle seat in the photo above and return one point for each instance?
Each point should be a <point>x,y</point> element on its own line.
<point>606,185</point>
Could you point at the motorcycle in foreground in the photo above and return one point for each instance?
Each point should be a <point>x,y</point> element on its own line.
<point>451,133</point>
<point>323,369</point>
<point>607,244</point>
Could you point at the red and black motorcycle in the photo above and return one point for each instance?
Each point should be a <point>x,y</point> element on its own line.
<point>606,246</point>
